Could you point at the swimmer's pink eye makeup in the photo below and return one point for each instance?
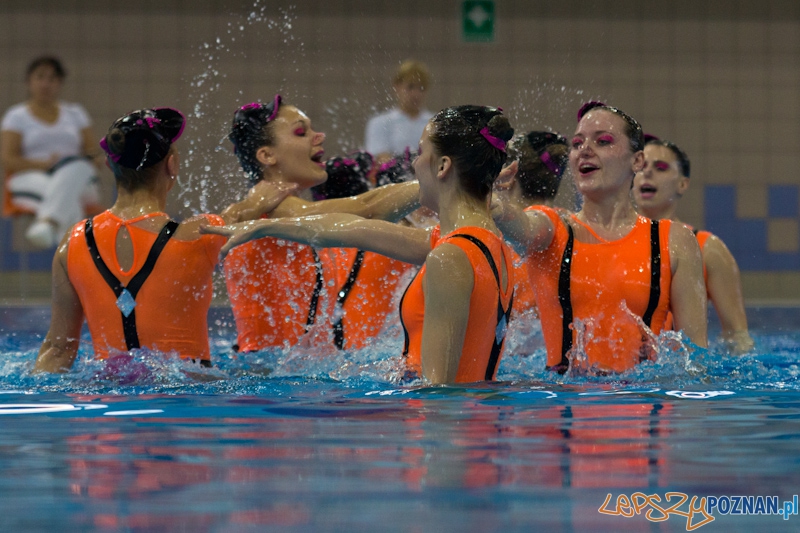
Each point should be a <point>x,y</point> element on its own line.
<point>661,166</point>
<point>300,131</point>
<point>605,139</point>
<point>577,142</point>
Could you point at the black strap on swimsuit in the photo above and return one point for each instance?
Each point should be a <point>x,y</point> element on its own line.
<point>129,319</point>
<point>503,315</point>
<point>655,273</point>
<point>406,340</point>
<point>338,326</point>
<point>318,284</point>
<point>565,299</point>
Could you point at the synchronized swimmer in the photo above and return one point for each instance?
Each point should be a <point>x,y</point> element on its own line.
<point>605,280</point>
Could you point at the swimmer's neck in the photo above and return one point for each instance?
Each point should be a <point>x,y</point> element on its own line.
<point>667,213</point>
<point>132,204</point>
<point>278,178</point>
<point>463,210</point>
<point>608,217</point>
<point>521,202</point>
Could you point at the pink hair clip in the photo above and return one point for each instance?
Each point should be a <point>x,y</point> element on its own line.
<point>494,141</point>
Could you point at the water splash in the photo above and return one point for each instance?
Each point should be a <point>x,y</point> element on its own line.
<point>773,365</point>
<point>208,163</point>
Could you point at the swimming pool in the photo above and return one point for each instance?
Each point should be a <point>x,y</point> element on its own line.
<point>304,441</point>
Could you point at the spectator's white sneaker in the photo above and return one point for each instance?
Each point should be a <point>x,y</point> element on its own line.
<point>42,234</point>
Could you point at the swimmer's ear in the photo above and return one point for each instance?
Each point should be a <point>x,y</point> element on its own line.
<point>683,185</point>
<point>265,156</point>
<point>445,164</point>
<point>172,165</point>
<point>638,161</point>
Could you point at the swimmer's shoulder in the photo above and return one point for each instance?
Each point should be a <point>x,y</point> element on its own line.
<point>189,229</point>
<point>291,206</point>
<point>716,253</point>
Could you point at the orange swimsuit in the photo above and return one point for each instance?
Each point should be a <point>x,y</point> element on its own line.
<point>171,302</point>
<point>489,309</point>
<point>277,289</point>
<point>608,286</point>
<point>367,285</point>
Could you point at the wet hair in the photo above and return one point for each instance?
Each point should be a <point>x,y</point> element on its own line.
<point>632,128</point>
<point>683,160</point>
<point>542,158</point>
<point>49,61</point>
<point>474,138</point>
<point>252,129</point>
<point>347,176</point>
<point>396,170</point>
<point>411,70</point>
<point>137,142</point>
<point>127,178</point>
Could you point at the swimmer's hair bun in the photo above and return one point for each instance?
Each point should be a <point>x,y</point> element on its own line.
<point>143,137</point>
<point>115,139</point>
<point>500,127</point>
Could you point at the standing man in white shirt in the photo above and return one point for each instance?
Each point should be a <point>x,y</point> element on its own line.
<point>391,132</point>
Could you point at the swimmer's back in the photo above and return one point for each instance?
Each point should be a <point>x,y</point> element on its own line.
<point>171,306</point>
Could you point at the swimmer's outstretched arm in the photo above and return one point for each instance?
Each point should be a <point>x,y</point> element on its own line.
<point>60,346</point>
<point>725,290</point>
<point>403,243</point>
<point>391,203</point>
<point>262,198</point>
<point>527,231</point>
<point>688,290</point>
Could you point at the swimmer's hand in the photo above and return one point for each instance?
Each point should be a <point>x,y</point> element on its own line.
<point>237,234</point>
<point>497,207</point>
<point>269,195</point>
<point>506,177</point>
<point>261,199</point>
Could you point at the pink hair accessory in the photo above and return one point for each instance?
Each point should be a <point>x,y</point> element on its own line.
<point>548,162</point>
<point>494,141</point>
<point>276,103</point>
<point>104,146</point>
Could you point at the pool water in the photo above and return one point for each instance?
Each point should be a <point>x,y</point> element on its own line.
<point>311,441</point>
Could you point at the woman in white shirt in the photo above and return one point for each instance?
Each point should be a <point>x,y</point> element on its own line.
<point>46,148</point>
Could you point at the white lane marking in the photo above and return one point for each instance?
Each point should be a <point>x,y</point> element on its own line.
<point>35,408</point>
<point>133,412</point>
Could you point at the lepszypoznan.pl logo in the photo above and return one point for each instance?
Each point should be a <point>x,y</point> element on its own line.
<point>697,511</point>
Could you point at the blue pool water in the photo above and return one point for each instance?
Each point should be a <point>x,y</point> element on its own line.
<point>308,441</point>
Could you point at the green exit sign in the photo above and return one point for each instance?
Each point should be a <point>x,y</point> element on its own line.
<point>477,17</point>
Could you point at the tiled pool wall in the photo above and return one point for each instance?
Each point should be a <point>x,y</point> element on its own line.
<point>719,79</point>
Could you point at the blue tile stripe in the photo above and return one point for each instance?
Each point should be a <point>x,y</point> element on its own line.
<point>747,238</point>
<point>783,201</point>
